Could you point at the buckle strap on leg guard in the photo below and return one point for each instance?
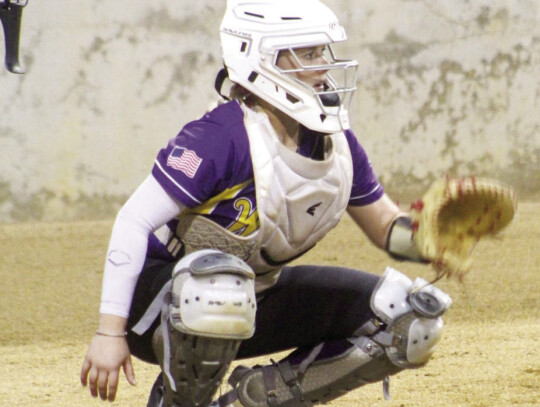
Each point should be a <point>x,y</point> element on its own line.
<point>166,342</point>
<point>257,387</point>
<point>269,380</point>
<point>386,388</point>
<point>290,378</point>
<point>369,328</point>
<point>306,363</point>
<point>237,374</point>
<point>230,397</point>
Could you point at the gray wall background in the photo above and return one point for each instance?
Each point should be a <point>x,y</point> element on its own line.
<point>443,87</point>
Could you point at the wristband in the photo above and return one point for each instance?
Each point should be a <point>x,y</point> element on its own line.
<point>122,335</point>
<point>400,244</point>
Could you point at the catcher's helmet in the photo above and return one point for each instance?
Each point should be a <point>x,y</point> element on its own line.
<point>253,32</point>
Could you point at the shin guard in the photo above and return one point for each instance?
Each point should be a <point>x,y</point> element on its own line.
<point>209,310</point>
<point>403,335</point>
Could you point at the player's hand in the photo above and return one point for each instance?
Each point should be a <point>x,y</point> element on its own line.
<point>101,367</point>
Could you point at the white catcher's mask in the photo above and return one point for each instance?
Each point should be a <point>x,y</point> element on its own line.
<point>253,32</point>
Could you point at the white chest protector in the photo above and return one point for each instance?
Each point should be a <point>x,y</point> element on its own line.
<point>299,200</point>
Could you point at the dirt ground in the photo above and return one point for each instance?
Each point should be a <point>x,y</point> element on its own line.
<point>489,355</point>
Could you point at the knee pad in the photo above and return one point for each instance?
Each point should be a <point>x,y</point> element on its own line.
<point>411,314</point>
<point>213,295</point>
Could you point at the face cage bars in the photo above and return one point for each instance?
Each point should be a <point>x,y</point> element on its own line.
<point>325,98</point>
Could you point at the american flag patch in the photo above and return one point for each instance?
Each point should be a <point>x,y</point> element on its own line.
<point>184,160</point>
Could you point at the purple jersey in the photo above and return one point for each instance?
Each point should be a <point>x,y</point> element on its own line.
<point>207,167</point>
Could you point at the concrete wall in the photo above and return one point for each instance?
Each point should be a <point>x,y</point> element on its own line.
<point>443,87</point>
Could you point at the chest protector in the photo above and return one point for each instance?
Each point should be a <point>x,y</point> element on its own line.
<point>299,200</point>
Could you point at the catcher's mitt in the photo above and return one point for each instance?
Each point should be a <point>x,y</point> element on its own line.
<point>454,214</point>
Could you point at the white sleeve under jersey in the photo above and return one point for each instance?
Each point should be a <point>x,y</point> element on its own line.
<point>146,210</point>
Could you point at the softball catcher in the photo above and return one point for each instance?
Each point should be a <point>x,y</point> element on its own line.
<point>198,269</point>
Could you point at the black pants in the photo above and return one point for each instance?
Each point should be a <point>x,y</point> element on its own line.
<point>307,306</point>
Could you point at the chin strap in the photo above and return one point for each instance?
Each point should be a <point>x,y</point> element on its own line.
<point>11,15</point>
<point>221,78</point>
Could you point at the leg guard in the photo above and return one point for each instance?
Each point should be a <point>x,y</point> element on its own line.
<point>210,310</point>
<point>403,335</point>
<point>285,384</point>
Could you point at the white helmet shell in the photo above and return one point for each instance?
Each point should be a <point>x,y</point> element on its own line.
<point>253,32</point>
